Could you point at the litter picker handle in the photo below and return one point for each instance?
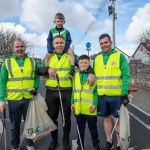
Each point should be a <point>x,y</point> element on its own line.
<point>61,106</point>
<point>78,132</point>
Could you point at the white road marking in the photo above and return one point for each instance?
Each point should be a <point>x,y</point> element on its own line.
<point>140,110</point>
<point>143,123</point>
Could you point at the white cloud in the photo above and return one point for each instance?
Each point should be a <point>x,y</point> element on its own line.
<point>39,15</point>
<point>140,22</point>
<point>35,39</point>
<point>9,8</point>
<point>12,26</point>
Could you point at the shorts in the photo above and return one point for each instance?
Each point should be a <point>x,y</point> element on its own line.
<point>109,105</point>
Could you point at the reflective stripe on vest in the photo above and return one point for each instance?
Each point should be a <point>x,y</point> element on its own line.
<point>83,96</point>
<point>108,77</point>
<point>62,68</point>
<point>19,82</point>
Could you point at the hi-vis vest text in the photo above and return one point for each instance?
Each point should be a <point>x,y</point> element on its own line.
<point>83,96</point>
<point>19,82</point>
<point>62,68</point>
<point>63,33</point>
<point>108,77</point>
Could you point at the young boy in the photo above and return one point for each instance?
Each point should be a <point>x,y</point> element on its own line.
<point>59,21</point>
<point>84,102</point>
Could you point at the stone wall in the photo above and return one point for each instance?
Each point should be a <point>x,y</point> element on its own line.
<point>140,73</point>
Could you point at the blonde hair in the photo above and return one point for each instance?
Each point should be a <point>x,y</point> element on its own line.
<point>60,16</point>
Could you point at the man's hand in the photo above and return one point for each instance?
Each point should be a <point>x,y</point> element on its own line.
<point>2,106</point>
<point>91,79</point>
<point>125,100</point>
<point>72,108</point>
<point>52,73</point>
<point>43,71</point>
<point>92,108</point>
<point>71,74</point>
<point>33,91</point>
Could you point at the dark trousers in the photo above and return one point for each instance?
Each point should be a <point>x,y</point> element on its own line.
<point>92,124</point>
<point>17,109</point>
<point>53,102</point>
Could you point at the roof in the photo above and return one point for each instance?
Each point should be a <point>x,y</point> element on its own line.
<point>146,45</point>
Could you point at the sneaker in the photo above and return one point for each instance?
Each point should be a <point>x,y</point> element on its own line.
<point>53,145</point>
<point>108,146</point>
<point>97,147</point>
<point>71,74</point>
<point>30,148</point>
<point>118,148</point>
<point>66,145</point>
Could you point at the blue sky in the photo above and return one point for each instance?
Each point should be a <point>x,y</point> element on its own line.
<point>34,18</point>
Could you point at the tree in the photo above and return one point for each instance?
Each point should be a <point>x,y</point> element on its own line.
<point>145,36</point>
<point>7,39</point>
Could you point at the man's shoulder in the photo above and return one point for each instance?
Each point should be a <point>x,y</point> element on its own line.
<point>97,55</point>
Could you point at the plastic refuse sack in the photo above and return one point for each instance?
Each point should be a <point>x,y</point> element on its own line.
<point>38,124</point>
<point>124,128</point>
<point>41,100</point>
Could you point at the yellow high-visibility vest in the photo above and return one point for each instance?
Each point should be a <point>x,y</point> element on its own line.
<point>83,96</point>
<point>19,82</point>
<point>62,68</point>
<point>108,77</point>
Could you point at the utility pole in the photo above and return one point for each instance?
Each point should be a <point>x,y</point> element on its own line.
<point>111,10</point>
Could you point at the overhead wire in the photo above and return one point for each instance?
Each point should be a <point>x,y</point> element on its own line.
<point>99,10</point>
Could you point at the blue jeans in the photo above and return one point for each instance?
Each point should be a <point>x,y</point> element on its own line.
<point>92,124</point>
<point>17,108</point>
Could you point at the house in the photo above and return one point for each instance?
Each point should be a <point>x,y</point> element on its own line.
<point>142,52</point>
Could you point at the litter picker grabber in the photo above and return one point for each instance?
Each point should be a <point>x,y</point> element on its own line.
<point>5,129</point>
<point>132,89</point>
<point>1,127</point>
<point>61,106</point>
<point>114,127</point>
<point>78,132</point>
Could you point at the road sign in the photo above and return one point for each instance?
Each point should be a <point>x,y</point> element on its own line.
<point>88,45</point>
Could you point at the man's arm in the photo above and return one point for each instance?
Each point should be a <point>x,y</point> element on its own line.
<point>36,78</point>
<point>125,73</point>
<point>3,81</point>
<point>4,78</point>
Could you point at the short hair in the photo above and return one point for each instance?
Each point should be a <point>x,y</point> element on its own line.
<point>20,41</point>
<point>104,35</point>
<point>60,16</point>
<point>59,36</point>
<point>84,57</point>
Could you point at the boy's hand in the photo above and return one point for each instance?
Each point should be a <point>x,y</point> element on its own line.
<point>72,108</point>
<point>92,108</point>
<point>91,79</point>
<point>52,73</point>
